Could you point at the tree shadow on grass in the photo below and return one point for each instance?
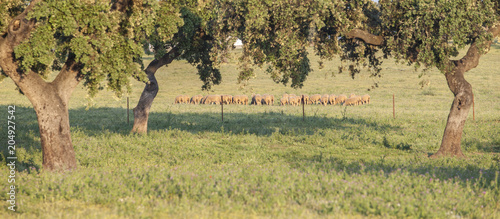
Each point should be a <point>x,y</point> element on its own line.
<point>26,136</point>
<point>496,45</point>
<point>95,121</point>
<point>442,169</point>
<point>260,124</point>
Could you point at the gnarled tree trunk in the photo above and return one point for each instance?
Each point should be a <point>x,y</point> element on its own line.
<point>53,122</point>
<point>452,137</point>
<point>141,111</point>
<point>49,99</point>
<point>450,144</point>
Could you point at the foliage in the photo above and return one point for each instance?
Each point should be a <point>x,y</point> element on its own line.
<point>264,161</point>
<point>276,35</point>
<point>429,33</point>
<point>274,32</point>
<point>106,43</point>
<point>426,33</point>
<point>9,9</point>
<point>194,40</point>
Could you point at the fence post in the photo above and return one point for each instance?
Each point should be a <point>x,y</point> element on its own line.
<point>222,106</point>
<point>393,107</point>
<point>473,110</point>
<point>303,111</point>
<point>128,113</point>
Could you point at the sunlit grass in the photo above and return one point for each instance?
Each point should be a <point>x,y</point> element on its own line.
<point>266,161</point>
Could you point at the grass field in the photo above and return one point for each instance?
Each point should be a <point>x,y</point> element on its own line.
<point>265,161</point>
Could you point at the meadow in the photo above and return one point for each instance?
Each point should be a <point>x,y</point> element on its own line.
<point>266,161</point>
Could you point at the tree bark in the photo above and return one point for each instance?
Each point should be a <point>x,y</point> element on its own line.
<point>366,36</point>
<point>452,137</point>
<point>49,99</point>
<point>461,89</point>
<point>53,122</point>
<point>141,111</point>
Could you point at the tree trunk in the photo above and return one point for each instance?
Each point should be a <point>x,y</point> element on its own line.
<point>50,100</point>
<point>141,111</point>
<point>53,121</point>
<point>451,142</point>
<point>452,137</point>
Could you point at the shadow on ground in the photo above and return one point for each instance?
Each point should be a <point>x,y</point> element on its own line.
<point>94,121</point>
<point>445,168</point>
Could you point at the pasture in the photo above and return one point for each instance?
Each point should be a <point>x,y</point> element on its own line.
<point>265,161</point>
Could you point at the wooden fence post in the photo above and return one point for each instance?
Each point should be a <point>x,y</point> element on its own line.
<point>303,111</point>
<point>222,106</point>
<point>393,107</point>
<point>473,110</point>
<point>128,113</point>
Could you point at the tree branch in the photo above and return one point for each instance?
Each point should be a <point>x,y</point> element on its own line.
<point>471,59</point>
<point>164,60</point>
<point>366,36</point>
<point>19,27</point>
<point>121,5</point>
<point>68,78</point>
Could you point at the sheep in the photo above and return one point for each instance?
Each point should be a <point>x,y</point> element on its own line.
<point>359,99</point>
<point>284,100</point>
<point>331,99</point>
<point>178,99</point>
<point>227,99</point>
<point>324,99</point>
<point>340,99</point>
<point>365,99</point>
<point>351,101</point>
<point>256,99</point>
<point>294,100</point>
<point>315,99</point>
<point>181,99</point>
<point>267,99</point>
<point>244,99</point>
<point>213,99</point>
<point>203,100</point>
<point>236,99</point>
<point>196,99</point>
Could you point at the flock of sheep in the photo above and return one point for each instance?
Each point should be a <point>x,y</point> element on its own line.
<point>268,99</point>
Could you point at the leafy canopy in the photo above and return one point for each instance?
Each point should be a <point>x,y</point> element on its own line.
<point>106,43</point>
<point>421,32</point>
<point>429,33</point>
<point>276,35</point>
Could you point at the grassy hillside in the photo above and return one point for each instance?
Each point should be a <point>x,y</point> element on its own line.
<point>266,161</point>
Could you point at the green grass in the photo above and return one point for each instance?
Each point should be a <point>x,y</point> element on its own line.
<point>266,161</point>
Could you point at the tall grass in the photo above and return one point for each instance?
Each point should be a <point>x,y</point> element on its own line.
<point>266,161</point>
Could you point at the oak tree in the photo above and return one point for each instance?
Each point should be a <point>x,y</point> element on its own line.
<point>423,33</point>
<point>93,42</point>
<point>195,42</point>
